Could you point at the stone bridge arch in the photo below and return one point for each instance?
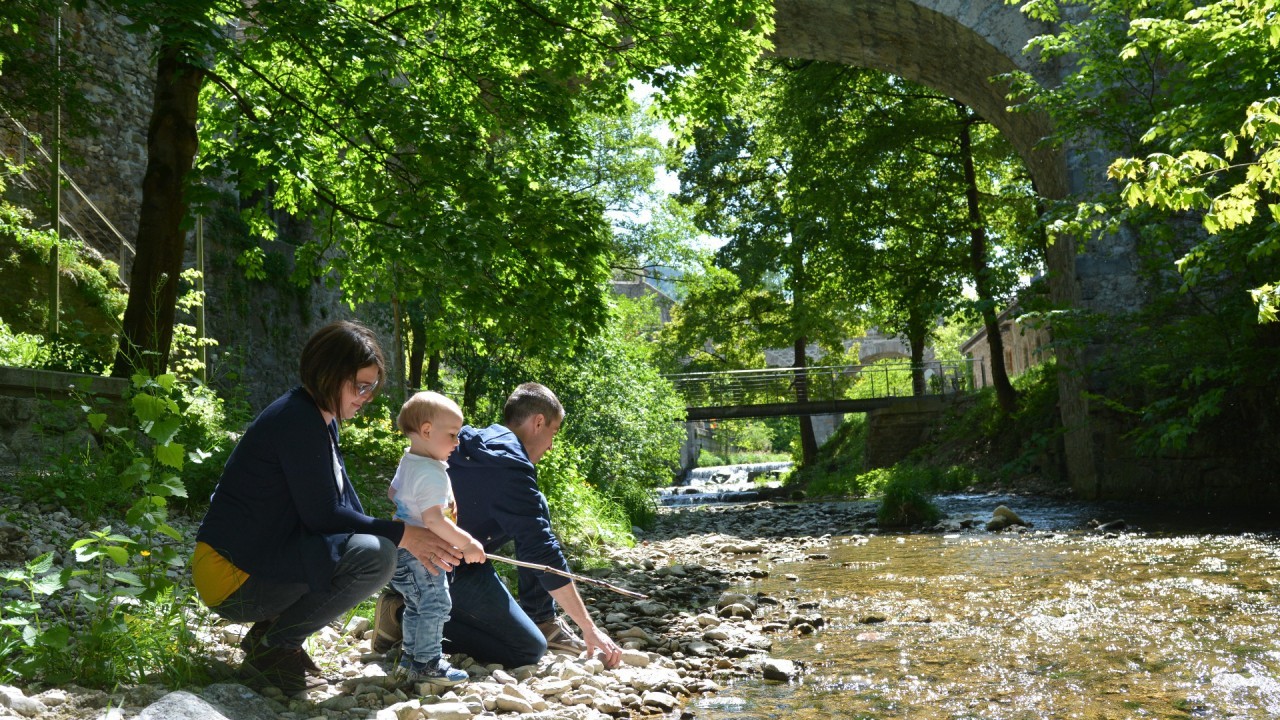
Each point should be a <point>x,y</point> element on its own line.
<point>953,46</point>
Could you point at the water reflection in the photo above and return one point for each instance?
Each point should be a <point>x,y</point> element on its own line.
<point>1059,622</point>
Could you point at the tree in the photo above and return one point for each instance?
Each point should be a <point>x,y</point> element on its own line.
<point>979,253</point>
<point>406,130</point>
<point>1179,95</point>
<point>866,194</point>
<point>620,412</point>
<point>755,181</point>
<point>1229,172</point>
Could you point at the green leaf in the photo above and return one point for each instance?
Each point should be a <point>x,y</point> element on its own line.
<point>148,408</point>
<point>41,564</point>
<point>125,577</point>
<point>57,637</point>
<point>47,585</point>
<point>164,429</point>
<point>170,532</point>
<point>171,454</point>
<point>118,554</point>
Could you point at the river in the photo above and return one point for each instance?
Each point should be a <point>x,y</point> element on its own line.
<point>1174,617</point>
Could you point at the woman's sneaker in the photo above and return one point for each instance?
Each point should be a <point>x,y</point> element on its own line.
<point>436,672</point>
<point>284,668</point>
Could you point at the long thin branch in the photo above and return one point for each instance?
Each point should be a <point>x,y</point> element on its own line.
<point>571,576</point>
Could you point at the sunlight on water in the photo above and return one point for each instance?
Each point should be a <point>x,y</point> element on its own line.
<point>1056,623</point>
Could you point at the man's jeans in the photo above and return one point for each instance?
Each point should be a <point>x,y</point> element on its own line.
<point>426,607</point>
<point>365,566</point>
<point>486,622</point>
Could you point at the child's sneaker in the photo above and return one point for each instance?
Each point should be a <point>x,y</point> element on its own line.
<point>437,672</point>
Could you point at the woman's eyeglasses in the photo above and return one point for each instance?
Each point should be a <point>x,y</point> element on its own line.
<point>366,389</point>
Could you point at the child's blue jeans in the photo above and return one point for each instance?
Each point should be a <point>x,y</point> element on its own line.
<point>426,606</point>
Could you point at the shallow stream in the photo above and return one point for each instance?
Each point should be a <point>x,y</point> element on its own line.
<point>1176,617</point>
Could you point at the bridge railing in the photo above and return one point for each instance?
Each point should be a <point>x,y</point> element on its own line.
<point>831,382</point>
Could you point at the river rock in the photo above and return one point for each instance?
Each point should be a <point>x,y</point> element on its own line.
<point>239,702</point>
<point>734,598</point>
<point>14,699</point>
<point>449,710</point>
<point>660,700</point>
<point>181,705</point>
<point>635,658</point>
<point>1002,517</point>
<point>779,670</point>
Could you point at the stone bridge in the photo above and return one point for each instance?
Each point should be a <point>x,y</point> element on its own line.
<point>958,47</point>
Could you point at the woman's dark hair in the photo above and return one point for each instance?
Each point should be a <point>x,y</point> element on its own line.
<point>333,356</point>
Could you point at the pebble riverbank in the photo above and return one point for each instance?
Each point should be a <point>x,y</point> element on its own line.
<point>703,628</point>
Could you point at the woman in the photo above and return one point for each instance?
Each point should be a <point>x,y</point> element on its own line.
<point>285,543</point>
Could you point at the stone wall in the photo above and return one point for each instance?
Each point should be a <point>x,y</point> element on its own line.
<point>1025,346</point>
<point>894,431</point>
<point>41,415</point>
<point>107,162</point>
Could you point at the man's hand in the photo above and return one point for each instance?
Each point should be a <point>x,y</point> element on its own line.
<point>597,640</point>
<point>434,553</point>
<point>568,598</point>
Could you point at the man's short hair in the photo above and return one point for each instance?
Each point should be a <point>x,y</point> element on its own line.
<point>333,356</point>
<point>528,400</point>
<point>423,407</point>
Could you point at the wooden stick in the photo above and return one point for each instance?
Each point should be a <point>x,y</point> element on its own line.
<point>571,576</point>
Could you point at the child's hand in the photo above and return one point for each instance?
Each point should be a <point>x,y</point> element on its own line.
<point>473,552</point>
<point>391,493</point>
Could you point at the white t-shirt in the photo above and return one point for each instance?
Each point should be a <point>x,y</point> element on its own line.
<point>420,483</point>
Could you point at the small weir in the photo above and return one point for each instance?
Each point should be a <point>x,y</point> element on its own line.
<point>725,484</point>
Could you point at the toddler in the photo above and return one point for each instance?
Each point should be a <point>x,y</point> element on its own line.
<point>423,497</point>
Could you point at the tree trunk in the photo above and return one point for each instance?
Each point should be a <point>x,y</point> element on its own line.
<point>917,340</point>
<point>808,441</point>
<point>147,332</point>
<point>470,396</point>
<point>433,372</point>
<point>1005,394</point>
<point>417,349</point>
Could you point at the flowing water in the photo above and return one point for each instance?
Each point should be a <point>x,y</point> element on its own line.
<point>724,483</point>
<point>1175,618</point>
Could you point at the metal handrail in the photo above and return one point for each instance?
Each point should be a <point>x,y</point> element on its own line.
<point>821,383</point>
<point>119,236</point>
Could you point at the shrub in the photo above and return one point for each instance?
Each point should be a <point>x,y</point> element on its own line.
<point>906,502</point>
<point>581,516</point>
<point>130,604</point>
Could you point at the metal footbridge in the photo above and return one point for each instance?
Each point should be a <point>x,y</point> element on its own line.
<point>821,390</point>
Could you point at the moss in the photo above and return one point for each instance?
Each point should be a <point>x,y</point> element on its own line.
<point>92,299</point>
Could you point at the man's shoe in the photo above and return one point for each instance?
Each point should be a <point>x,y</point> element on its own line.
<point>438,672</point>
<point>560,638</point>
<point>387,615</point>
<point>284,668</point>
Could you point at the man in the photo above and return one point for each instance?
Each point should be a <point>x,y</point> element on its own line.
<point>496,487</point>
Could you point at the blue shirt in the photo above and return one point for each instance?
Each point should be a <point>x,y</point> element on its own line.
<point>496,488</point>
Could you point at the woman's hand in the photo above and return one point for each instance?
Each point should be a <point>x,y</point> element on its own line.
<point>433,552</point>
